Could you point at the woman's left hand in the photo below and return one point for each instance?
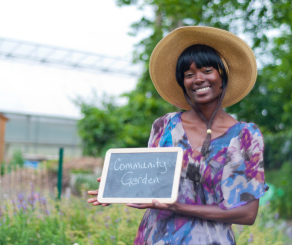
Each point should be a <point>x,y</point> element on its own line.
<point>155,205</point>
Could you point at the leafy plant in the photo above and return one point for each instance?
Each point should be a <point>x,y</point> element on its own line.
<point>85,182</point>
<point>17,158</point>
<point>283,196</point>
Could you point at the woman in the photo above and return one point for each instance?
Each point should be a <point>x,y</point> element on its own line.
<point>202,70</point>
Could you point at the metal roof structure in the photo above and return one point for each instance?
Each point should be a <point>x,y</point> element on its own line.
<point>53,55</point>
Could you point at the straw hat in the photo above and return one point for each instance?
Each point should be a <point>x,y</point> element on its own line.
<point>239,57</point>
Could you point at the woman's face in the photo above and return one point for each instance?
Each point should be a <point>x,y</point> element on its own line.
<point>202,85</point>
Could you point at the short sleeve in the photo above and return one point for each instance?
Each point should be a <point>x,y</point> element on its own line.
<point>243,174</point>
<point>156,132</point>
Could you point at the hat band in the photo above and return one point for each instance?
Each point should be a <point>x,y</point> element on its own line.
<point>225,65</point>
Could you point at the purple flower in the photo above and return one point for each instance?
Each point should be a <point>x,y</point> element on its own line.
<point>277,216</point>
<point>250,239</point>
<point>43,200</point>
<point>20,197</point>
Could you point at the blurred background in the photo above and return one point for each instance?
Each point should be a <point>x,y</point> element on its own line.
<point>74,75</point>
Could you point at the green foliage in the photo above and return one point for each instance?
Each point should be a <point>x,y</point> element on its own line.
<point>2,168</point>
<point>85,182</point>
<point>81,171</point>
<point>99,126</point>
<point>106,125</point>
<point>76,221</point>
<point>282,200</point>
<point>278,149</point>
<point>6,168</point>
<point>268,229</point>
<point>67,222</point>
<point>17,158</point>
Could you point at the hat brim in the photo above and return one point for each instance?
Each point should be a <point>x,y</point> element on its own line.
<point>236,52</point>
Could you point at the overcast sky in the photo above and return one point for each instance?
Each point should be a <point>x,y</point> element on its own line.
<point>91,25</point>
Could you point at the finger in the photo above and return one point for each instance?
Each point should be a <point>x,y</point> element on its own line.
<point>91,200</point>
<point>98,179</point>
<point>139,206</point>
<point>159,205</point>
<point>96,203</point>
<point>156,203</point>
<point>93,192</point>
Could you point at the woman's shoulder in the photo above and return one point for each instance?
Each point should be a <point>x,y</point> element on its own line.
<point>250,127</point>
<point>242,132</point>
<point>165,119</point>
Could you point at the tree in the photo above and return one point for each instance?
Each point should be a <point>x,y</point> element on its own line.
<point>129,125</point>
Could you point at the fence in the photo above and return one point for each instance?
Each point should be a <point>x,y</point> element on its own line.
<point>16,180</point>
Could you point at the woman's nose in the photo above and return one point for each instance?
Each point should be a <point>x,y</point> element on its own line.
<point>199,78</point>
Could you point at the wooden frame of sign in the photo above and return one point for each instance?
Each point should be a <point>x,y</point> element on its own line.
<point>139,175</point>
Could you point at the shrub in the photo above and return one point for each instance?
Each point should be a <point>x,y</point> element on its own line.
<point>282,201</point>
<point>17,158</point>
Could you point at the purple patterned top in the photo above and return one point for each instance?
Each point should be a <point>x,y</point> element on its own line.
<point>231,175</point>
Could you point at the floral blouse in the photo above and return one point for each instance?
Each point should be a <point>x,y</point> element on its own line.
<point>231,175</point>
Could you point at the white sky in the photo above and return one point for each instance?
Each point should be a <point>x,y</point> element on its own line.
<point>91,25</point>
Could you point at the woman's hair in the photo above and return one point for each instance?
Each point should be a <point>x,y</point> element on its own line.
<point>202,56</point>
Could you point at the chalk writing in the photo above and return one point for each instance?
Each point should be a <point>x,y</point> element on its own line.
<point>138,165</point>
<point>129,179</point>
<point>140,180</point>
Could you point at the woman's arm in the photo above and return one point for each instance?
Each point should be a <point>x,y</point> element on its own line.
<point>243,215</point>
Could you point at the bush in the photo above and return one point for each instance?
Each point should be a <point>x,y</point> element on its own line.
<point>282,200</point>
<point>278,149</point>
<point>17,158</point>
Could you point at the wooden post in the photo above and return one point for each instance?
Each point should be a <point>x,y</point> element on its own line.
<point>2,136</point>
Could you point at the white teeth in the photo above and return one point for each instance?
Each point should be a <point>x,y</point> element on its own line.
<point>202,89</point>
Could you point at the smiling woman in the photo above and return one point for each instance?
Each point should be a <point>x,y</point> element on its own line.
<point>202,70</point>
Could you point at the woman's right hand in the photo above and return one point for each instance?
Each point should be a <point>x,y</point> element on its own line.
<point>94,200</point>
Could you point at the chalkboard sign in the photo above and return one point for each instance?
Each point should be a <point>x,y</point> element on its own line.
<point>138,175</point>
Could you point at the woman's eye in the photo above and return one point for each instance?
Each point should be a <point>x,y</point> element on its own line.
<point>188,75</point>
<point>208,70</point>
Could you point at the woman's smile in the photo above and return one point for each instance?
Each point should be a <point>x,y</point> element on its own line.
<point>202,90</point>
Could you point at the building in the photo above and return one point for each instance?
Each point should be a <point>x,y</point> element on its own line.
<point>40,136</point>
<point>3,121</point>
